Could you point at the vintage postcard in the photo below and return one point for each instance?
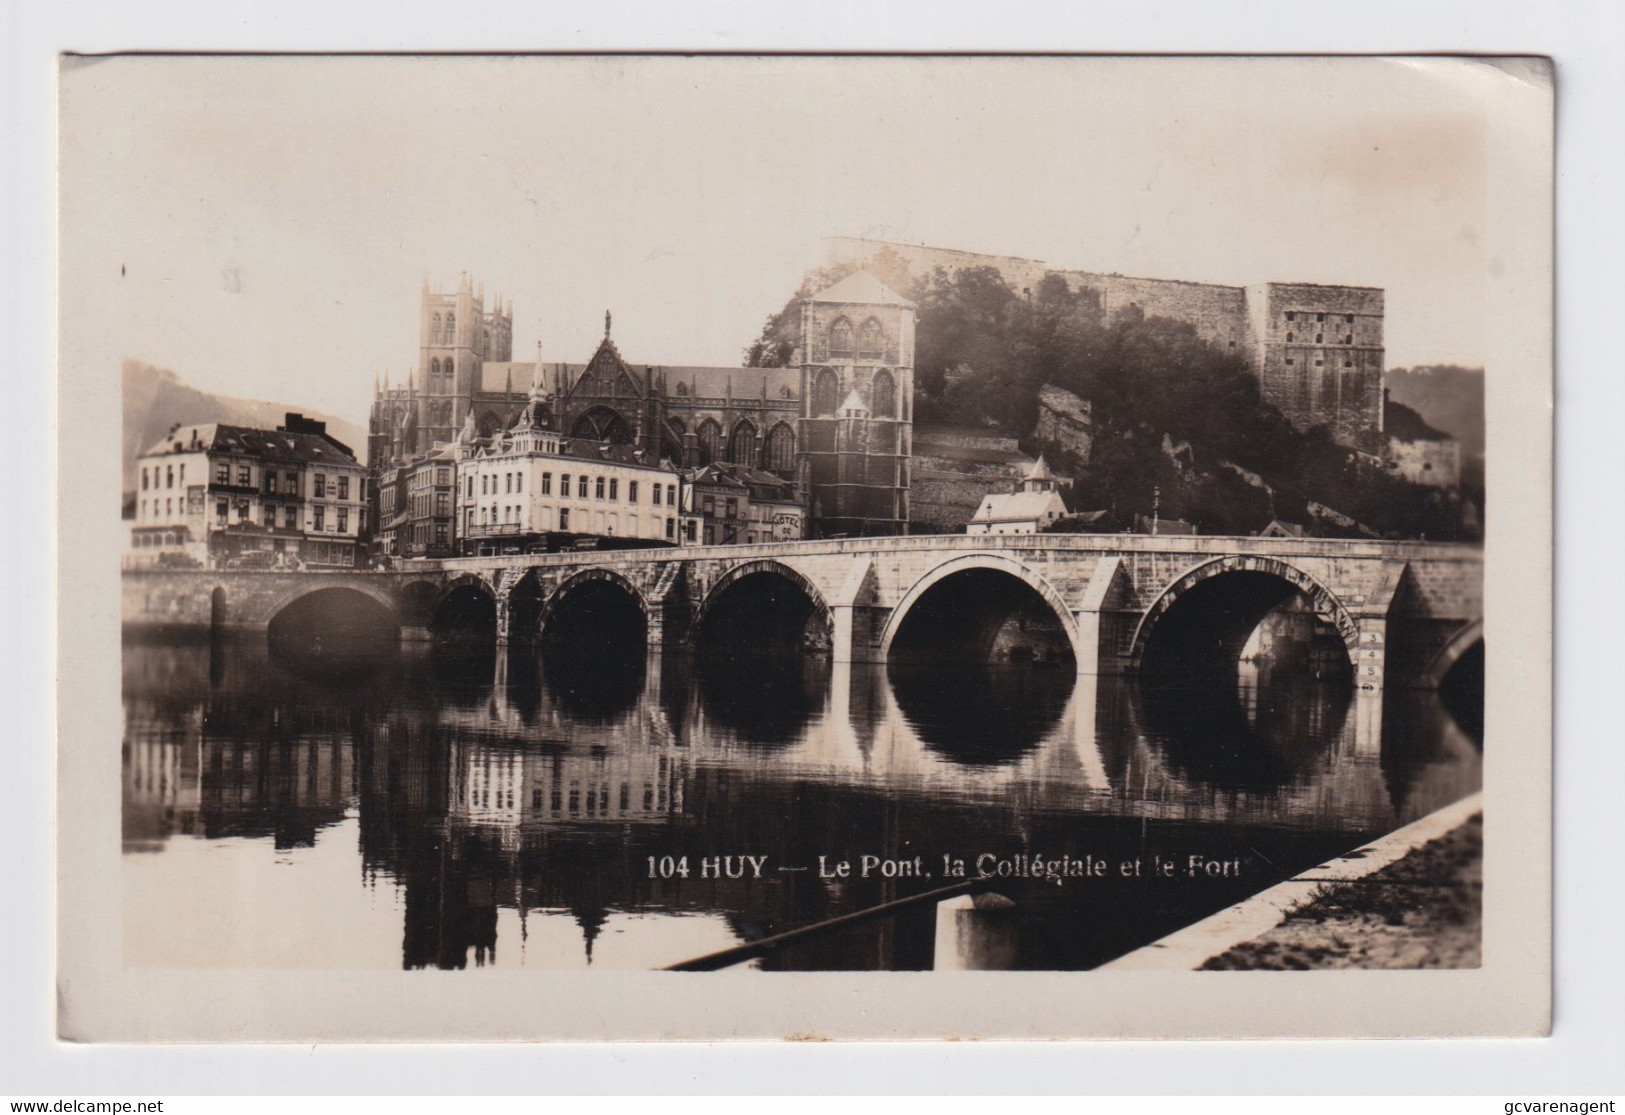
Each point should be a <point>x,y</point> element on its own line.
<point>653,547</point>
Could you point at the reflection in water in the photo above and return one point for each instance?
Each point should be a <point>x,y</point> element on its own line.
<point>458,808</point>
<point>980,715</point>
<point>1268,731</point>
<point>765,700</point>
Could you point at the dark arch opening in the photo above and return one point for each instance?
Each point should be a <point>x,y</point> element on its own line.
<point>466,613</point>
<point>981,616</point>
<point>1202,637</point>
<point>217,609</point>
<point>602,424</point>
<point>763,613</point>
<point>334,632</point>
<point>417,603</point>
<point>1462,691</point>
<point>596,618</point>
<point>593,642</point>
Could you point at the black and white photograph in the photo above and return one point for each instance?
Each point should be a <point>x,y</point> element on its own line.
<point>1021,539</point>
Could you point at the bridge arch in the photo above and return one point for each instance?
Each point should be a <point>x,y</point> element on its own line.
<point>1259,584</point>
<point>333,625</point>
<point>772,576</point>
<point>467,602</point>
<point>602,594</point>
<point>359,585</point>
<point>991,562</point>
<point>1451,653</point>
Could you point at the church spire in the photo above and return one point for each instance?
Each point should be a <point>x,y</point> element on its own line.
<point>606,325</point>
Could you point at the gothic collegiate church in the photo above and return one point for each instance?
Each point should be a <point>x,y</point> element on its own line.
<point>836,422</point>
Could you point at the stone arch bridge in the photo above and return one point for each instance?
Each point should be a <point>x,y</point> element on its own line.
<point>1405,611</point>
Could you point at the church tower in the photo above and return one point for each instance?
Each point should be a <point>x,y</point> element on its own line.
<point>856,356</point>
<point>456,336</point>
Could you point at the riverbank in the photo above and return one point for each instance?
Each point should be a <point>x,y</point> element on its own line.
<point>1425,911</point>
<point>1411,899</point>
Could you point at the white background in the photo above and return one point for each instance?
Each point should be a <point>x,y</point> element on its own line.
<point>1586,40</point>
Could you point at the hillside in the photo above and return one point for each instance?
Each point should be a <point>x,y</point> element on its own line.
<point>155,399</point>
<point>1448,397</point>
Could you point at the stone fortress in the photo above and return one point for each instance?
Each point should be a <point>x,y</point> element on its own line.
<point>1317,350</point>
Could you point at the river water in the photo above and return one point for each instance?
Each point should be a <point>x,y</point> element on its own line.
<point>452,807</point>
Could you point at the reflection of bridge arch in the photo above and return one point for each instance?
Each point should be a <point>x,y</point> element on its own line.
<point>998,563</point>
<point>1326,605</point>
<point>751,568</point>
<point>1451,653</point>
<point>595,575</point>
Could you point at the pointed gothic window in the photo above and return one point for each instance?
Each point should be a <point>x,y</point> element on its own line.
<point>883,395</point>
<point>826,393</point>
<point>840,337</point>
<point>781,449</point>
<point>434,330</point>
<point>451,328</point>
<point>871,342</point>
<point>742,444</point>
<point>710,438</point>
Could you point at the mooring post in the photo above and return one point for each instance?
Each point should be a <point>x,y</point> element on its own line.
<point>977,933</point>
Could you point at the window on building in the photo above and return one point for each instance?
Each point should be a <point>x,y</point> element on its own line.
<point>688,530</point>
<point>318,518</point>
<point>1320,317</point>
<point>871,342</point>
<point>840,337</point>
<point>826,395</point>
<point>519,483</point>
<point>321,486</point>
<point>222,473</point>
<point>470,518</point>
<point>710,535</point>
<point>564,518</point>
<point>1349,318</point>
<point>169,508</point>
<point>1289,338</point>
<point>742,444</point>
<point>343,516</point>
<point>440,534</point>
<point>1289,361</point>
<point>598,488</point>
<point>219,512</point>
<point>451,328</point>
<point>1349,339</point>
<point>169,476</point>
<point>143,479</point>
<point>290,519</point>
<point>780,449</point>
<point>884,394</point>
<point>654,494</point>
<point>344,487</point>
<point>631,491</point>
<point>1320,338</point>
<point>671,494</point>
<point>1291,316</point>
<point>547,483</point>
<point>270,516</point>
<point>442,504</point>
<point>1319,363</point>
<point>291,485</point>
<point>564,484</point>
<point>1348,363</point>
<point>245,475</point>
<point>581,487</point>
<point>671,528</point>
<point>507,483</point>
<point>242,511</point>
<point>614,488</point>
<point>733,509</point>
<point>709,506</point>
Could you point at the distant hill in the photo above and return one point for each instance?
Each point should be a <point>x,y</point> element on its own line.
<point>1448,397</point>
<point>155,399</point>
